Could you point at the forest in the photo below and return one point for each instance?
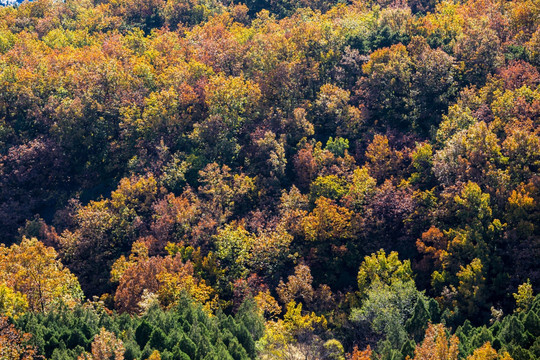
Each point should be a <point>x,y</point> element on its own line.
<point>270,179</point>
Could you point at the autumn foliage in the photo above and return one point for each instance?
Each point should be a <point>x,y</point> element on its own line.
<point>307,179</point>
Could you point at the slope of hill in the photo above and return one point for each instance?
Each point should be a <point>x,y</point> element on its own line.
<point>270,179</point>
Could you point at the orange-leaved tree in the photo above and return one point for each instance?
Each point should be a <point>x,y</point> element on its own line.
<point>437,345</point>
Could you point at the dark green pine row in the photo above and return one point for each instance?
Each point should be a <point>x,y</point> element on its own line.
<point>185,332</point>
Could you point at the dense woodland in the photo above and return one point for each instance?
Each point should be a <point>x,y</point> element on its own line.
<point>275,179</point>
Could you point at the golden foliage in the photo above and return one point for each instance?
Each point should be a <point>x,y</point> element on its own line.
<point>486,352</point>
<point>32,269</point>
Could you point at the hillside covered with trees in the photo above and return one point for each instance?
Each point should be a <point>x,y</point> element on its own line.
<point>274,179</point>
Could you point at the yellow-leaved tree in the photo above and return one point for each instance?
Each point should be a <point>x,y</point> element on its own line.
<point>12,303</point>
<point>486,352</point>
<point>33,270</point>
<point>292,336</point>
